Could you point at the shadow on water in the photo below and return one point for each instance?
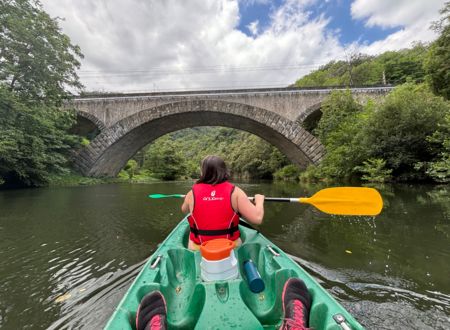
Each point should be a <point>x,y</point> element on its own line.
<point>68,255</point>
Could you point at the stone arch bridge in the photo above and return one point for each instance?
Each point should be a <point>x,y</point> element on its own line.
<point>128,122</point>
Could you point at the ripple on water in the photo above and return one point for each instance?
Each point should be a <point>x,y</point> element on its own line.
<point>92,303</point>
<point>379,306</point>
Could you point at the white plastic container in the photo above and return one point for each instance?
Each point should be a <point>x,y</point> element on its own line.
<point>217,270</point>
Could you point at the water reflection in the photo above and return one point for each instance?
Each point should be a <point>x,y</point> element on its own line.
<point>67,255</point>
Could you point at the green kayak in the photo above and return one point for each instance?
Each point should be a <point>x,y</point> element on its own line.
<point>193,304</point>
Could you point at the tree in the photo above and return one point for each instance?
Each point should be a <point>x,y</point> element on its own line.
<point>254,158</point>
<point>405,65</point>
<point>131,168</point>
<point>397,132</point>
<point>396,67</point>
<point>37,61</point>
<point>438,60</point>
<point>336,108</point>
<point>439,168</point>
<point>37,66</point>
<point>163,160</point>
<point>33,141</point>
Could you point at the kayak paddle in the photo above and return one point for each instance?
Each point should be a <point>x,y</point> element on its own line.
<point>156,196</point>
<point>341,201</point>
<point>338,200</point>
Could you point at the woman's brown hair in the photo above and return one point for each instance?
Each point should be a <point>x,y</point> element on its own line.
<point>214,170</point>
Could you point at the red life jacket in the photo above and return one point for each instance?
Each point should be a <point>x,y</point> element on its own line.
<point>213,215</point>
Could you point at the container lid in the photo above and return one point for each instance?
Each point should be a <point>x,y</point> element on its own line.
<point>256,285</point>
<point>216,249</point>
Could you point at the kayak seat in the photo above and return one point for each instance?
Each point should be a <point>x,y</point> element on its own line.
<point>267,305</point>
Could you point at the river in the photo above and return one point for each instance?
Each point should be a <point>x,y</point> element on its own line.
<point>67,255</point>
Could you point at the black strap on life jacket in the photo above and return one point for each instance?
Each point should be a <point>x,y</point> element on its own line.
<point>218,232</point>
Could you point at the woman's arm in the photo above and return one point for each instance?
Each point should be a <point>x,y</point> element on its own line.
<point>185,208</point>
<point>253,213</point>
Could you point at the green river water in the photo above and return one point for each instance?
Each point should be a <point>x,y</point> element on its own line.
<point>68,255</point>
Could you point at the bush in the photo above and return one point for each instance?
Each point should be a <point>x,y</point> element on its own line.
<point>131,168</point>
<point>289,172</point>
<point>439,168</point>
<point>397,132</point>
<point>374,170</point>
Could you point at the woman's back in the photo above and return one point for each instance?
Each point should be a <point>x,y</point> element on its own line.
<point>215,205</point>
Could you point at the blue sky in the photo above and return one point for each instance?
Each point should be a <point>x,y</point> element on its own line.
<point>166,45</point>
<point>347,29</point>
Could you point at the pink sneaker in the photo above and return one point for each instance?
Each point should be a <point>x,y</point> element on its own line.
<point>152,312</point>
<point>296,301</point>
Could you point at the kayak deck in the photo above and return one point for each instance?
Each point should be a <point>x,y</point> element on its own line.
<point>194,304</point>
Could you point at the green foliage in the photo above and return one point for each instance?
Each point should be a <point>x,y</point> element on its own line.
<point>38,63</point>
<point>335,110</point>
<point>369,72</point>
<point>289,173</point>
<point>75,179</point>
<point>33,140</point>
<point>247,155</point>
<point>398,67</point>
<point>311,174</point>
<point>397,132</point>
<point>84,141</point>
<point>254,158</point>
<point>406,136</point>
<point>404,66</point>
<point>439,169</point>
<point>164,160</point>
<point>37,60</point>
<point>344,150</point>
<point>340,130</point>
<point>331,74</point>
<point>437,62</point>
<point>374,170</point>
<point>131,168</point>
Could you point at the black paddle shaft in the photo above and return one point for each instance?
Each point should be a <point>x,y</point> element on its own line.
<point>277,199</point>
<point>274,199</point>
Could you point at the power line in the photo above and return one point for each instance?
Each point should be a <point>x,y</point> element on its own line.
<point>216,87</point>
<point>192,70</point>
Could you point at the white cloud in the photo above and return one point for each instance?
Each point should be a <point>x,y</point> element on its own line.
<point>413,16</point>
<point>253,27</point>
<point>160,44</point>
<point>388,13</point>
<point>140,45</point>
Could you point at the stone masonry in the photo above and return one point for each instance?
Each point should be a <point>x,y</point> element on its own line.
<point>129,122</point>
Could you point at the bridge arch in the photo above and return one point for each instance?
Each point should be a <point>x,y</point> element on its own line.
<point>91,118</point>
<point>310,118</point>
<point>87,125</point>
<point>111,149</point>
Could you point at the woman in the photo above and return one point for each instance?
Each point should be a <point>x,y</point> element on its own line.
<point>215,205</point>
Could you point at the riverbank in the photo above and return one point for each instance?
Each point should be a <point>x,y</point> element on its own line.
<point>75,179</point>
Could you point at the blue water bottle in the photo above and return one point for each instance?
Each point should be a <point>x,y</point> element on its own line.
<point>254,280</point>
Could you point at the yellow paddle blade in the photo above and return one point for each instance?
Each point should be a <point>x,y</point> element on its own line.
<point>347,201</point>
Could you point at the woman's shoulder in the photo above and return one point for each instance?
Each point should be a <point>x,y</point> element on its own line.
<point>238,191</point>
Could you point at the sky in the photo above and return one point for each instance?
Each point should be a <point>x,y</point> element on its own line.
<point>172,45</point>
